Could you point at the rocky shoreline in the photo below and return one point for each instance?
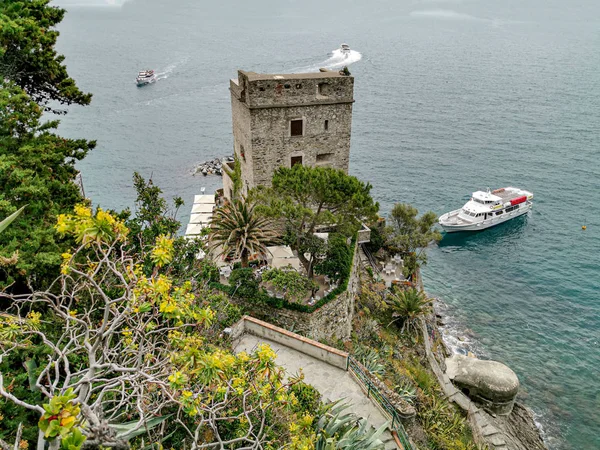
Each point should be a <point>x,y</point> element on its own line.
<point>516,431</point>
<point>212,167</point>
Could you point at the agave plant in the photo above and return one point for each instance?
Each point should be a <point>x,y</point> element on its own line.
<point>341,430</point>
<point>406,392</point>
<point>369,358</point>
<point>408,306</point>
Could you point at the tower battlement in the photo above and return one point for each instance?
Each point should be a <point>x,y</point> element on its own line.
<point>259,90</point>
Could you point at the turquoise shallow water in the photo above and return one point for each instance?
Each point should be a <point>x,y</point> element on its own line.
<point>451,97</point>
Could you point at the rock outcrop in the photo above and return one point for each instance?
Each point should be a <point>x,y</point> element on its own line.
<point>489,383</point>
<point>519,429</point>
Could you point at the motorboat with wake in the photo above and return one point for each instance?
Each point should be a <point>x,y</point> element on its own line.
<point>345,49</point>
<point>487,209</point>
<point>146,77</point>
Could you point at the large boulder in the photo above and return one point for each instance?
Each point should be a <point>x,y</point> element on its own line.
<point>490,383</point>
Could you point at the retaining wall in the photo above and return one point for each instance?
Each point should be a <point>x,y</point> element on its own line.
<point>250,325</point>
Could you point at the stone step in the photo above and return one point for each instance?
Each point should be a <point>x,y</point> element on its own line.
<point>497,441</point>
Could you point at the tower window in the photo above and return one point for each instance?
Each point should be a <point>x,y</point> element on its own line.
<point>326,125</point>
<point>296,127</point>
<point>323,89</point>
<point>324,158</point>
<point>296,160</point>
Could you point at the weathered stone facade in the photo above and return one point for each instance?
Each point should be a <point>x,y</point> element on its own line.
<point>280,120</point>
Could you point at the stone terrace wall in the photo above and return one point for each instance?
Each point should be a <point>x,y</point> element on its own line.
<point>332,320</point>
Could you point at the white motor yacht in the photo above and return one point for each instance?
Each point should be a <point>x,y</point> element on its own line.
<point>487,209</point>
<point>345,49</point>
<point>146,77</point>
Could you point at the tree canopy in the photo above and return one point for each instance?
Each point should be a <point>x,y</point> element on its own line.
<point>307,198</point>
<point>37,169</point>
<point>28,57</point>
<point>410,235</point>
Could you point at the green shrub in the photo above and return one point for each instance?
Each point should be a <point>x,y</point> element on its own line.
<point>209,272</point>
<point>261,296</point>
<point>309,399</point>
<point>294,285</point>
<point>376,240</point>
<point>369,358</point>
<point>243,283</point>
<point>421,376</point>
<point>338,260</point>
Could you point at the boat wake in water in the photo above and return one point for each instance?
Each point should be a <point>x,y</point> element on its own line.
<point>337,60</point>
<point>170,69</point>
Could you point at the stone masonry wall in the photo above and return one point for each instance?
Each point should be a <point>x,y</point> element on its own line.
<point>272,146</point>
<point>242,139</point>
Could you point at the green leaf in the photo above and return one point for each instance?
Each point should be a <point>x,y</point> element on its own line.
<point>30,366</point>
<point>6,222</point>
<point>128,430</point>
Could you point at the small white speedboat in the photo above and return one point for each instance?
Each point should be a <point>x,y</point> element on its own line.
<point>146,77</point>
<point>345,49</point>
<point>487,209</point>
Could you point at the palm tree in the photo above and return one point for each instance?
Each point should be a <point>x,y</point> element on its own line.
<point>240,232</point>
<point>408,305</point>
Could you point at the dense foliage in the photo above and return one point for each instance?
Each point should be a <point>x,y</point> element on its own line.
<point>291,284</point>
<point>27,56</point>
<point>410,235</point>
<point>244,284</point>
<point>152,218</point>
<point>399,360</point>
<point>125,344</point>
<point>338,258</point>
<point>37,169</point>
<point>307,198</point>
<point>408,306</point>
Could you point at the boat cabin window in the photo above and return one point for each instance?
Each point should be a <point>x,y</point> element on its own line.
<point>512,208</point>
<point>499,212</point>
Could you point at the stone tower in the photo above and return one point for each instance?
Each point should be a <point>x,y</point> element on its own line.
<point>282,120</point>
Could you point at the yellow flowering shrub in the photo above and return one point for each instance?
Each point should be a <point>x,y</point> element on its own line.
<point>163,251</point>
<point>89,228</point>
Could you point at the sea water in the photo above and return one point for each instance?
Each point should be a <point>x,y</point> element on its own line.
<point>451,97</point>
